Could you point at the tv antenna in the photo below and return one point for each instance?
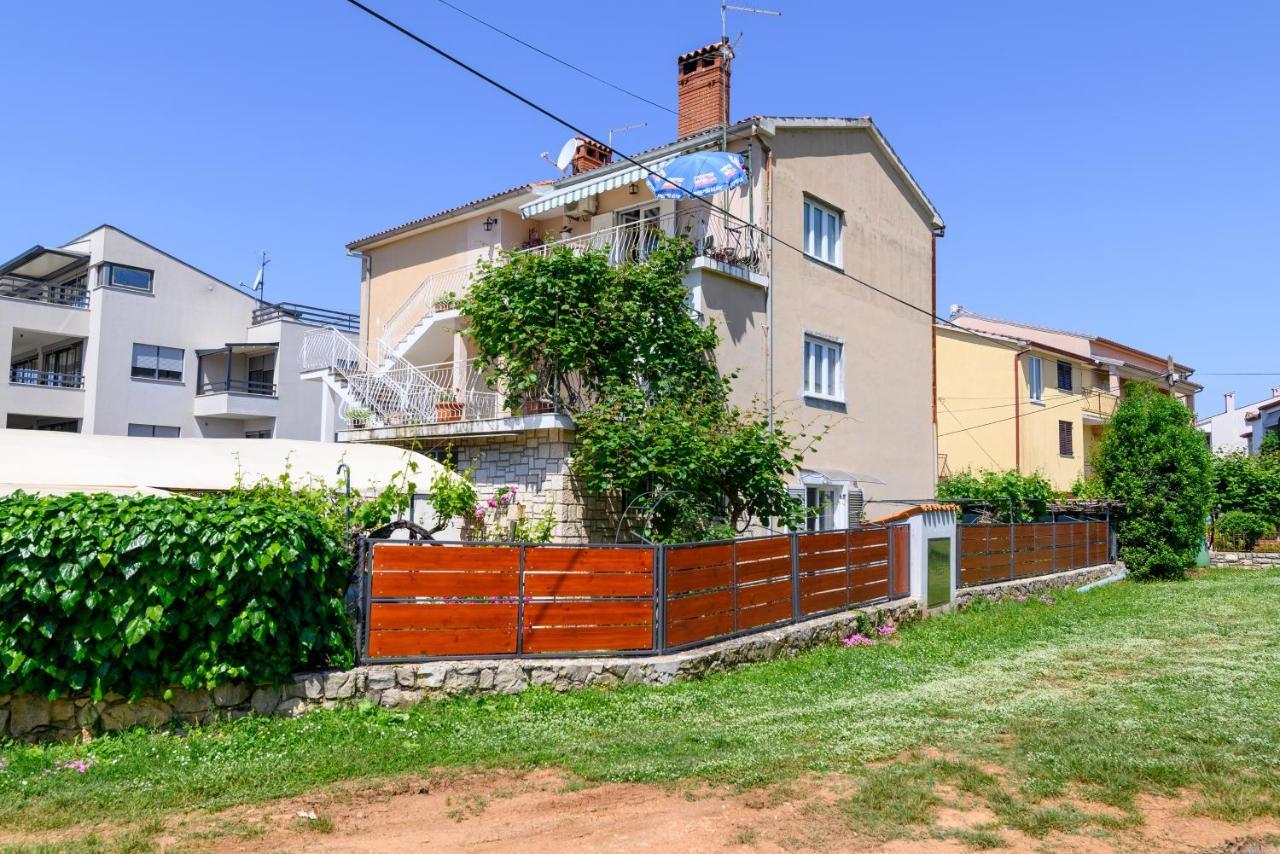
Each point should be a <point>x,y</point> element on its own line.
<point>727,51</point>
<point>624,129</point>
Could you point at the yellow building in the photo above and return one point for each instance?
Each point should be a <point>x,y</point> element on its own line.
<point>1032,399</point>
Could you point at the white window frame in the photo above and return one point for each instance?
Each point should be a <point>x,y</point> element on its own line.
<point>817,350</point>
<point>817,241</point>
<point>1035,378</point>
<point>834,510</point>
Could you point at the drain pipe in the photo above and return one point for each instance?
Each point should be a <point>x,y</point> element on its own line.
<point>1110,579</point>
<point>366,288</point>
<point>768,218</point>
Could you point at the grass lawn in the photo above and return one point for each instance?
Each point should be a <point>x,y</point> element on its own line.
<point>1041,711</point>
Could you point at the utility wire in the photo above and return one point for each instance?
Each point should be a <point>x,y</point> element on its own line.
<point>555,58</point>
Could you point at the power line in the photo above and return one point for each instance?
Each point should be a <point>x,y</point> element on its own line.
<point>555,58</point>
<point>1010,418</point>
<point>966,430</point>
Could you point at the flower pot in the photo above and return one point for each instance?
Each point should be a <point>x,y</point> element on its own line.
<point>449,411</point>
<point>443,306</point>
<point>534,407</point>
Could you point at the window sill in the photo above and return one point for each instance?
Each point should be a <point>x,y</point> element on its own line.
<point>839,268</point>
<point>830,404</point>
<point>154,381</point>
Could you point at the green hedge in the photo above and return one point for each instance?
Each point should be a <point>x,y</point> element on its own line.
<point>100,593</point>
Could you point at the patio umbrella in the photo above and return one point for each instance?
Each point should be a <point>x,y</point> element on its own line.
<point>703,173</point>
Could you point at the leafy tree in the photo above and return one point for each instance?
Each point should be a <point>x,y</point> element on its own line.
<point>1250,484</point>
<point>1026,496</point>
<point>1270,444</point>
<point>617,348</point>
<point>1153,459</point>
<point>1241,530</point>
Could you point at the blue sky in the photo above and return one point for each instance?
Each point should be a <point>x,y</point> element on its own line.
<point>1102,166</point>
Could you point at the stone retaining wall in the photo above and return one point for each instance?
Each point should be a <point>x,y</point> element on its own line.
<point>1254,560</point>
<point>31,718</point>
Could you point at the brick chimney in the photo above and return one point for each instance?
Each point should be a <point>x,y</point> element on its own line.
<point>590,155</point>
<point>702,83</point>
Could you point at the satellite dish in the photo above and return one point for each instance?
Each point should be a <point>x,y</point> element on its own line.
<point>565,158</point>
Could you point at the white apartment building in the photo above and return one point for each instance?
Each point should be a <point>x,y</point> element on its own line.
<point>110,335</point>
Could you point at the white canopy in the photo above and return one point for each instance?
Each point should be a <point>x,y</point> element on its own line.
<point>58,463</point>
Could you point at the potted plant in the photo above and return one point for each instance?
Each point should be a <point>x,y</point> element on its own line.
<point>446,301</point>
<point>531,404</point>
<point>448,407</point>
<point>359,416</point>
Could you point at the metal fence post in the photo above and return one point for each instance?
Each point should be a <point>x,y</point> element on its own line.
<point>520,602</point>
<point>1053,554</point>
<point>364,595</point>
<point>660,598</point>
<point>1013,551</point>
<point>733,557</point>
<point>795,578</point>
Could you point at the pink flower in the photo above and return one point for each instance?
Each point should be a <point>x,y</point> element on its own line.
<point>885,630</point>
<point>1046,600</point>
<point>479,511</point>
<point>857,639</point>
<point>493,502</point>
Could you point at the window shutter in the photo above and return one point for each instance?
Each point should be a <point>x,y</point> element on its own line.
<point>855,502</point>
<point>145,357</point>
<point>1064,438</point>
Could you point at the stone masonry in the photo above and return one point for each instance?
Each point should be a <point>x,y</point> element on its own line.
<point>1252,560</point>
<point>29,717</point>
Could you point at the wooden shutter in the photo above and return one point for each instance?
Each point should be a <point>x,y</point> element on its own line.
<point>1064,376</point>
<point>1065,444</point>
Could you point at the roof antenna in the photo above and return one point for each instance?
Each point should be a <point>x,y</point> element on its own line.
<point>727,51</point>
<point>624,129</point>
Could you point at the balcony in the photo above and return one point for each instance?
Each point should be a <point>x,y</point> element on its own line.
<point>45,395</point>
<point>266,312</point>
<point>719,243</point>
<point>236,381</point>
<point>45,379</point>
<point>1099,405</point>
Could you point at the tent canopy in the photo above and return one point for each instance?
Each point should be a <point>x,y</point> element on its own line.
<point>58,463</point>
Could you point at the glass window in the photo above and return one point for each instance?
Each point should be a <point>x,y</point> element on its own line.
<point>822,232</point>
<point>261,375</point>
<point>120,276</point>
<point>155,431</point>
<point>257,434</point>
<point>823,368</point>
<point>156,363</point>
<point>1035,376</point>
<point>820,506</point>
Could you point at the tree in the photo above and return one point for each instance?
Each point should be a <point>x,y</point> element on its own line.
<point>1154,460</point>
<point>1270,444</point>
<point>616,347</point>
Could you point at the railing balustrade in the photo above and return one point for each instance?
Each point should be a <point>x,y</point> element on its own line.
<point>68,295</point>
<point>266,389</point>
<point>45,379</point>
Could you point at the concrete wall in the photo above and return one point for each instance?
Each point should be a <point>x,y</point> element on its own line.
<point>884,428</point>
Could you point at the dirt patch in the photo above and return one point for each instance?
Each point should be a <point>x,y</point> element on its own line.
<point>545,810</point>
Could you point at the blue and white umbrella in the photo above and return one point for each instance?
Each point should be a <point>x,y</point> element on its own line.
<point>703,173</point>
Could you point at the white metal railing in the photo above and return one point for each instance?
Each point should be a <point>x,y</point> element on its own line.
<point>713,234</point>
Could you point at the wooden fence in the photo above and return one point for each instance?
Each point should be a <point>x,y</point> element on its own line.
<point>991,553</point>
<point>437,600</point>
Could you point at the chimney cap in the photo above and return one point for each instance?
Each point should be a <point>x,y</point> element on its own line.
<point>714,47</point>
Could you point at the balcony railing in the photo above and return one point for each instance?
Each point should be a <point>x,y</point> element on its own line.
<point>69,295</point>
<point>429,394</point>
<point>1100,402</point>
<point>265,389</point>
<point>45,379</point>
<point>714,236</point>
<point>343,320</point>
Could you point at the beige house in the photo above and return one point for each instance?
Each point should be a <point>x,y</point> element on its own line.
<point>818,349</point>
<point>1013,396</point>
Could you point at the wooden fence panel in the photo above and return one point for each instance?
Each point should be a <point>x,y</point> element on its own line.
<point>901,570</point>
<point>999,552</point>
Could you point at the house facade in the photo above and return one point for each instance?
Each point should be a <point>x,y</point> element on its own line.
<point>1232,429</point>
<point>110,335</point>
<point>827,199</point>
<point>1014,396</point>
<point>1261,421</point>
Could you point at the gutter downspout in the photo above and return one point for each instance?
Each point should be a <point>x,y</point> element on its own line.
<point>768,218</point>
<point>1017,412</point>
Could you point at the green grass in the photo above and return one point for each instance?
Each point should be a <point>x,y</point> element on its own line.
<point>1033,709</point>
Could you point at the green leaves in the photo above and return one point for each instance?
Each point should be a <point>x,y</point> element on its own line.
<point>1025,495</point>
<point>132,594</point>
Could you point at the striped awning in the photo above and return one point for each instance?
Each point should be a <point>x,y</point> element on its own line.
<point>593,187</point>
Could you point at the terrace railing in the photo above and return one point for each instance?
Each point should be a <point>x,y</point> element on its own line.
<point>45,379</point>
<point>344,321</point>
<point>69,295</point>
<point>267,389</point>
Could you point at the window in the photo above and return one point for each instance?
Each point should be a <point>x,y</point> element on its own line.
<point>257,434</point>
<point>156,363</point>
<point>820,507</point>
<point>60,426</point>
<point>120,276</point>
<point>261,375</point>
<point>64,367</point>
<point>1064,376</point>
<point>1035,375</point>
<point>1065,444</point>
<point>155,431</point>
<point>822,230</point>
<point>823,368</point>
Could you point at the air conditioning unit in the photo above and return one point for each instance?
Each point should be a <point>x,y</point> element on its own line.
<point>587,206</point>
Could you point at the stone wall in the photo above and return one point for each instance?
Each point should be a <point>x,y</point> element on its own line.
<point>28,717</point>
<point>1251,560</point>
<point>538,462</point>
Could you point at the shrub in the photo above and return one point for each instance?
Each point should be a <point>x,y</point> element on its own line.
<point>1239,530</point>
<point>1153,459</point>
<point>1025,495</point>
<point>102,593</point>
